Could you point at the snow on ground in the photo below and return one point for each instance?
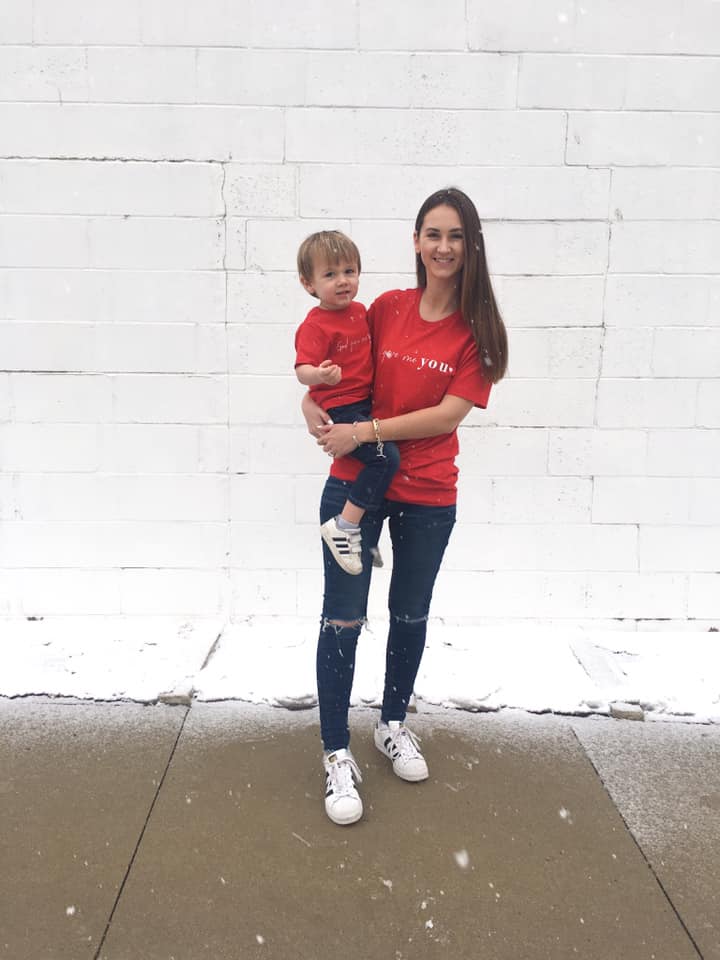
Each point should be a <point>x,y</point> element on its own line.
<point>272,660</point>
<point>98,658</point>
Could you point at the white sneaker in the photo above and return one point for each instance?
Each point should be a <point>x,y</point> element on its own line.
<point>344,545</point>
<point>401,746</point>
<point>342,801</point>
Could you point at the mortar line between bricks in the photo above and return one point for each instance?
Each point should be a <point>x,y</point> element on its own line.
<point>649,865</point>
<point>664,112</point>
<point>603,325</point>
<point>140,838</point>
<point>225,599</point>
<point>393,51</point>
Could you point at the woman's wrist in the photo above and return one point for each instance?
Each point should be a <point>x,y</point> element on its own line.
<point>366,433</point>
<point>378,437</point>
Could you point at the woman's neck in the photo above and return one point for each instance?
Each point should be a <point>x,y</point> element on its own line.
<point>438,301</point>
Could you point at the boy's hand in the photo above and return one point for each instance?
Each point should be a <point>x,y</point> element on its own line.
<point>330,373</point>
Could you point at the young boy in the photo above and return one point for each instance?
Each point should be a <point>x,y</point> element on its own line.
<point>333,359</point>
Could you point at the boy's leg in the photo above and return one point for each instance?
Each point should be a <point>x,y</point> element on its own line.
<point>369,488</point>
<point>342,532</point>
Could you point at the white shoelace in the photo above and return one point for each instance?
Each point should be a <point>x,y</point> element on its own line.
<point>407,743</point>
<point>341,777</point>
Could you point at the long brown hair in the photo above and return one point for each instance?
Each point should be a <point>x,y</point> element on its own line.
<point>477,300</point>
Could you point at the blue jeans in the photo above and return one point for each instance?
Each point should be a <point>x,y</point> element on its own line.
<point>370,485</point>
<point>419,536</point>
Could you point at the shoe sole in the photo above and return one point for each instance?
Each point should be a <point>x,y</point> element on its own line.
<point>344,823</point>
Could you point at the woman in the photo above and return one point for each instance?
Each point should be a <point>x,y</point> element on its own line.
<point>437,349</point>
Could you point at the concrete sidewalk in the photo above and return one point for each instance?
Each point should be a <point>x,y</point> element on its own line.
<point>171,833</point>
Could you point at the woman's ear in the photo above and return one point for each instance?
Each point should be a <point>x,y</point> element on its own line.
<point>416,241</point>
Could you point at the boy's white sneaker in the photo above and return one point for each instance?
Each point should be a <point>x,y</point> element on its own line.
<point>401,746</point>
<point>344,545</point>
<point>342,801</point>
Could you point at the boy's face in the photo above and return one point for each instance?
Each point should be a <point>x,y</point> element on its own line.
<point>334,284</point>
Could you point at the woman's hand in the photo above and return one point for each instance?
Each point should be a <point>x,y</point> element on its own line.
<point>315,416</point>
<point>337,439</point>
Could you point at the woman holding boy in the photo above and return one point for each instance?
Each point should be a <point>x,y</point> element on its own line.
<point>436,351</point>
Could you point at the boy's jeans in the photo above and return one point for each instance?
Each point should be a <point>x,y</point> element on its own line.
<point>370,485</point>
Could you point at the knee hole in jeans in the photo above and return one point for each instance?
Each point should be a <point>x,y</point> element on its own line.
<point>406,618</point>
<point>337,625</point>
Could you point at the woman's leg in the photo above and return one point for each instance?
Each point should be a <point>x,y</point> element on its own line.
<point>419,537</point>
<point>344,610</point>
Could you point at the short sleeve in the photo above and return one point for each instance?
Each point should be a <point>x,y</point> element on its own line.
<point>470,381</point>
<point>311,344</point>
<point>372,315</point>
<point>380,308</point>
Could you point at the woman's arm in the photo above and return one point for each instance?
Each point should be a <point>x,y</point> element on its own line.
<point>340,439</point>
<point>315,416</point>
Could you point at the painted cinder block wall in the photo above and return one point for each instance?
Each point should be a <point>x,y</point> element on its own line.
<point>159,163</point>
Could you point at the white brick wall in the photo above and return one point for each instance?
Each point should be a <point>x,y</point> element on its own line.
<point>159,164</point>
<point>515,193</point>
<point>608,26</point>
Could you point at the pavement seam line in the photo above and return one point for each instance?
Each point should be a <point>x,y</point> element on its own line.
<point>640,849</point>
<point>161,782</point>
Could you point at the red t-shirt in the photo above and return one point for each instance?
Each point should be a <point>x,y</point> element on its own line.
<point>416,364</point>
<point>343,337</point>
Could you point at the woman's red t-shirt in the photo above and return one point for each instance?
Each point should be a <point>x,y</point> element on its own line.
<point>416,364</point>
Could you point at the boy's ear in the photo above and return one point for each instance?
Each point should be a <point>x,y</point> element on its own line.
<point>308,286</point>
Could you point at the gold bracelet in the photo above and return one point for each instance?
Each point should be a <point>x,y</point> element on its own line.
<point>358,443</point>
<point>378,439</point>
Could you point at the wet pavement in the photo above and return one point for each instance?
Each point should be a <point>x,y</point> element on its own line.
<point>135,832</point>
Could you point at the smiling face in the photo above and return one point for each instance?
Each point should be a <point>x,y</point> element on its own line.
<point>335,285</point>
<point>440,243</point>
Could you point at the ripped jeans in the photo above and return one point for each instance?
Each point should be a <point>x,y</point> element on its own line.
<point>419,535</point>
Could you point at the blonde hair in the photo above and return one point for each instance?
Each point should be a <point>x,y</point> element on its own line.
<point>326,246</point>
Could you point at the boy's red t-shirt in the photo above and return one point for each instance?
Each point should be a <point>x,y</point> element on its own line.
<point>343,337</point>
<point>416,364</point>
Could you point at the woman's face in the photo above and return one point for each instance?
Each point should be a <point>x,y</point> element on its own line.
<point>440,243</point>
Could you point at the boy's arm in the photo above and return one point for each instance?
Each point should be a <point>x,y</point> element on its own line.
<point>327,373</point>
